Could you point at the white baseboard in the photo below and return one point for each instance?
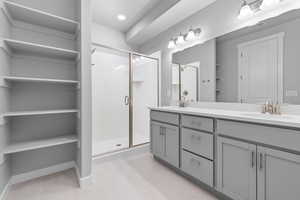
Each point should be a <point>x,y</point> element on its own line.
<point>41,172</point>
<point>5,191</point>
<point>83,181</point>
<point>122,154</point>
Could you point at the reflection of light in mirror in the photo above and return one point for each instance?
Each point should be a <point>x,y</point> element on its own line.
<point>268,4</point>
<point>245,11</point>
<point>180,39</point>
<point>274,11</point>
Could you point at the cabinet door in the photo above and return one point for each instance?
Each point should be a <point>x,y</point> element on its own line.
<point>157,139</point>
<point>237,169</point>
<point>171,144</point>
<point>278,175</point>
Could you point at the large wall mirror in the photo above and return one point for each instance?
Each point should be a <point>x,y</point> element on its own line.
<point>251,65</point>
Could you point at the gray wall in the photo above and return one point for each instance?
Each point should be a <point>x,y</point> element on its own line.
<point>227,57</point>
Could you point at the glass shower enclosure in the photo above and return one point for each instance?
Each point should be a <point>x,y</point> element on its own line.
<point>124,85</point>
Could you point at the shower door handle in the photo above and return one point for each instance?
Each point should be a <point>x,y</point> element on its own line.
<point>126,100</point>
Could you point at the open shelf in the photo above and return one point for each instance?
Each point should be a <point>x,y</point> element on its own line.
<point>41,80</point>
<point>38,49</point>
<point>38,144</point>
<point>41,112</point>
<point>138,81</point>
<point>41,18</point>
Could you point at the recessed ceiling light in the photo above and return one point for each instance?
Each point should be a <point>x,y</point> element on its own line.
<point>122,17</point>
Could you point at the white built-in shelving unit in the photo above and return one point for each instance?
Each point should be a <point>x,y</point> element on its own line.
<point>37,17</point>
<point>21,47</point>
<point>38,112</point>
<point>40,62</point>
<point>38,144</point>
<point>41,80</point>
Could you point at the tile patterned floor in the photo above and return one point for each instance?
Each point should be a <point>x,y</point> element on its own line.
<point>138,177</point>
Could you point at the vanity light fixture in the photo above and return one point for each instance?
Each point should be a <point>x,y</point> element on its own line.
<point>250,8</point>
<point>197,33</point>
<point>266,4</point>
<point>245,11</point>
<point>180,39</point>
<point>171,44</point>
<point>191,35</point>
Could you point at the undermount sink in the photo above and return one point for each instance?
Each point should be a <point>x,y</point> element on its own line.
<point>267,116</point>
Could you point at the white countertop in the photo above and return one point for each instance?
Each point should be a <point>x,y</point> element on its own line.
<point>255,117</point>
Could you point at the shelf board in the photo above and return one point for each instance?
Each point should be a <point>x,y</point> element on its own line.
<point>39,144</point>
<point>138,81</point>
<point>41,18</point>
<point>41,80</point>
<point>41,112</point>
<point>38,49</point>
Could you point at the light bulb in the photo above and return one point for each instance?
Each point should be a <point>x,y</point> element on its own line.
<point>266,4</point>
<point>245,11</point>
<point>180,39</point>
<point>171,44</point>
<point>191,35</point>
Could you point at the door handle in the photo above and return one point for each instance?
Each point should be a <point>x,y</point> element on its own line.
<point>253,159</point>
<point>261,158</point>
<point>126,100</point>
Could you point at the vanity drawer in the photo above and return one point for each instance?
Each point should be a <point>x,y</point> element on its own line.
<point>197,167</point>
<point>200,123</point>
<point>274,136</point>
<point>171,118</point>
<point>198,142</point>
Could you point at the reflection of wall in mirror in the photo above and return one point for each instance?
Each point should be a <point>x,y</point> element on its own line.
<point>227,57</point>
<point>205,54</point>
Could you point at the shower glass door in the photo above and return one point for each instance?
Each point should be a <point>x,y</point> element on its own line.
<point>144,86</point>
<point>110,100</point>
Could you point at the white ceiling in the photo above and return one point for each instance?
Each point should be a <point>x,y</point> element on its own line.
<point>105,12</point>
<point>178,12</point>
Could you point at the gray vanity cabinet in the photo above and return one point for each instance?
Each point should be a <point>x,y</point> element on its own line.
<point>237,169</point>
<point>157,139</point>
<point>278,175</point>
<point>165,142</point>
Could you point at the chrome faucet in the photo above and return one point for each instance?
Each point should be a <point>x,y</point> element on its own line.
<point>271,108</point>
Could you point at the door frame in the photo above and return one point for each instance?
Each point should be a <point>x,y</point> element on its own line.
<point>197,68</point>
<point>131,54</point>
<point>279,71</point>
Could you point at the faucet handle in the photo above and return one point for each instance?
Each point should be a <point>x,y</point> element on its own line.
<point>277,109</point>
<point>264,108</point>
